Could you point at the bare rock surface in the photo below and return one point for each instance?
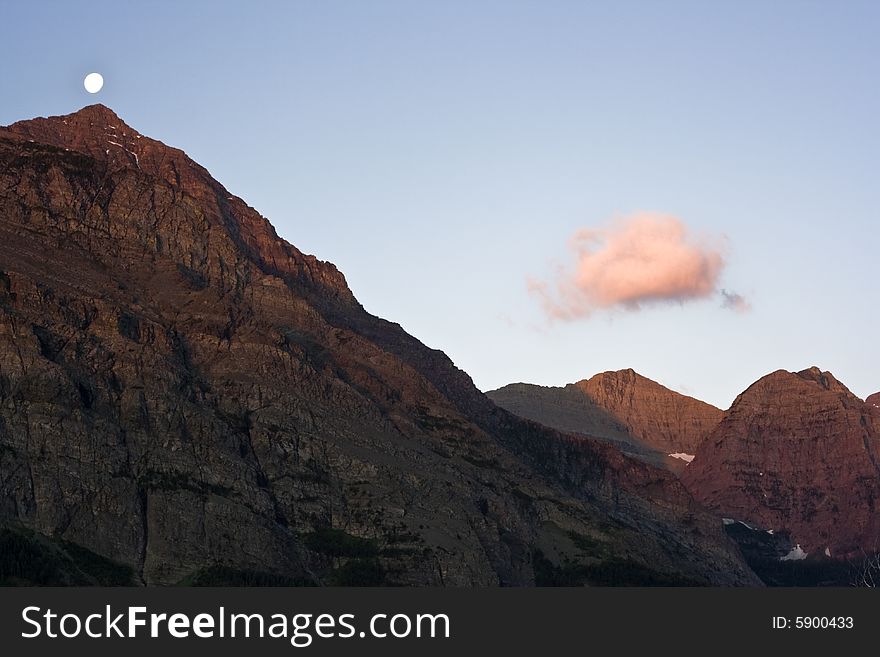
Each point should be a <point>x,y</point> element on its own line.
<point>638,415</point>
<point>796,452</point>
<point>189,396</point>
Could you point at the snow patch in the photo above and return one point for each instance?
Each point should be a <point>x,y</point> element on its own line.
<point>684,457</point>
<point>828,549</point>
<point>728,521</point>
<point>796,554</point>
<point>136,160</point>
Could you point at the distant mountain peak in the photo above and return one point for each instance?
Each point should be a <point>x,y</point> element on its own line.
<point>624,375</point>
<point>790,440</point>
<point>627,378</point>
<point>825,379</point>
<point>786,380</point>
<point>622,406</point>
<point>652,412</point>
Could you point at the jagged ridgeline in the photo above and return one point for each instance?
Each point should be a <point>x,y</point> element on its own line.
<point>186,398</point>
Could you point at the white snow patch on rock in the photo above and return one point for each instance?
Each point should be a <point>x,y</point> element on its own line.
<point>684,457</point>
<point>797,553</point>
<point>133,154</point>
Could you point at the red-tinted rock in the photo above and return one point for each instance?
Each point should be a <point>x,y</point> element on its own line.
<point>797,452</point>
<point>662,418</point>
<point>637,414</point>
<point>183,391</point>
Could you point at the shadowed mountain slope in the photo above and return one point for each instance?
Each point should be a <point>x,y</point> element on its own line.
<point>191,398</point>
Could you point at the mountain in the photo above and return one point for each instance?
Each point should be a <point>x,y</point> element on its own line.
<point>796,452</point>
<point>185,397</point>
<point>664,419</point>
<point>640,416</point>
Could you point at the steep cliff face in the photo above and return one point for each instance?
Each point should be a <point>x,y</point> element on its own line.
<point>797,452</point>
<point>186,394</point>
<point>640,416</point>
<point>873,400</point>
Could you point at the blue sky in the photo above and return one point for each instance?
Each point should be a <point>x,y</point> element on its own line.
<point>443,153</point>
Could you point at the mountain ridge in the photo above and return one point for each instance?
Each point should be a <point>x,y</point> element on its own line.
<point>220,400</point>
<point>83,132</point>
<point>634,412</point>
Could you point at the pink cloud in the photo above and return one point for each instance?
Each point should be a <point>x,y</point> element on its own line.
<point>644,258</point>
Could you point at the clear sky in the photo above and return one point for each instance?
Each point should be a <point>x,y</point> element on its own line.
<point>442,154</point>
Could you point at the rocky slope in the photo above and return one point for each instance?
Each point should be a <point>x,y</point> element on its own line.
<point>664,419</point>
<point>796,452</point>
<point>640,416</point>
<point>189,398</point>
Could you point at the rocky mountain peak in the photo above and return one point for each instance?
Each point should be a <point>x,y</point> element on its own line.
<point>825,379</point>
<point>90,122</point>
<point>625,377</point>
<point>624,381</point>
<point>95,115</point>
<point>224,231</point>
<point>652,412</point>
<point>639,415</point>
<point>97,131</point>
<point>186,394</point>
<point>812,380</point>
<point>796,452</point>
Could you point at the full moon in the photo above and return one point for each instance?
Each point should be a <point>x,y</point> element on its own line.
<point>93,82</point>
